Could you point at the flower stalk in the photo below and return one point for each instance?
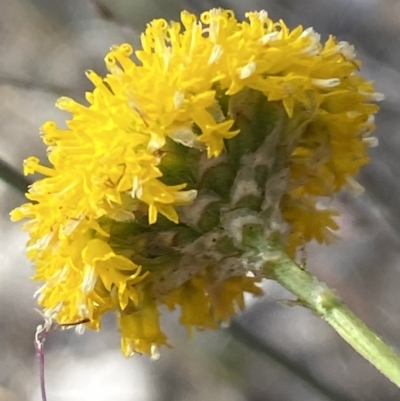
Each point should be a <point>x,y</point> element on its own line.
<point>323,301</point>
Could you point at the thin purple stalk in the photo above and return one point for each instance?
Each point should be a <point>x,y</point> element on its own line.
<point>42,332</point>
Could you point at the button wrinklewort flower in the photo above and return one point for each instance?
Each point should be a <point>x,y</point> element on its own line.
<point>153,189</point>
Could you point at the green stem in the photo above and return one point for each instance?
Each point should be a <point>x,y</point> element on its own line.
<point>323,301</point>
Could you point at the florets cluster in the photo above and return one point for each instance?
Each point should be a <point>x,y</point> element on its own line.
<point>218,124</point>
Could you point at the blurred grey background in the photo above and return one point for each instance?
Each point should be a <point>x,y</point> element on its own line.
<point>270,351</point>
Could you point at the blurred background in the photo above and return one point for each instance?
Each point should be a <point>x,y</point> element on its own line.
<point>270,351</point>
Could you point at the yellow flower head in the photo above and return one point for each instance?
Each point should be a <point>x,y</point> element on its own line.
<point>155,189</point>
